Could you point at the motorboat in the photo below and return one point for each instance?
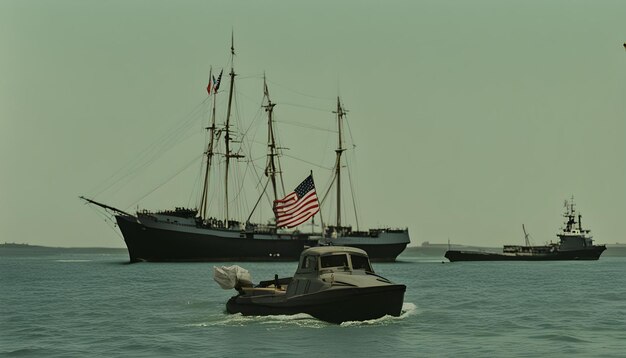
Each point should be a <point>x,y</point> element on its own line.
<point>332,283</point>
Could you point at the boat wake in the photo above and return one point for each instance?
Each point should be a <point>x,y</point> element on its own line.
<point>304,320</point>
<point>299,320</point>
<point>408,309</point>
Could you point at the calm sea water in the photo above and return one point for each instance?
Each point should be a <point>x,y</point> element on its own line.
<point>63,303</point>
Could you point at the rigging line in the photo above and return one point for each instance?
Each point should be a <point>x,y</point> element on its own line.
<point>240,191</point>
<point>108,219</point>
<point>300,93</point>
<point>259,180</point>
<point>250,77</point>
<point>197,185</point>
<point>328,190</point>
<point>254,167</point>
<point>177,127</point>
<point>350,132</point>
<point>215,197</point>
<point>135,164</point>
<point>257,202</point>
<point>167,181</point>
<point>264,193</point>
<point>256,117</point>
<point>307,162</point>
<point>356,214</point>
<point>306,125</point>
<point>307,107</point>
<point>252,160</point>
<point>249,98</point>
<point>140,167</point>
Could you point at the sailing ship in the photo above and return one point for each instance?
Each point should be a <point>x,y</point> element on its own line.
<point>575,243</point>
<point>184,234</point>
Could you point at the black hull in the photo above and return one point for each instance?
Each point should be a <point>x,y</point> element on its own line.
<point>592,253</point>
<point>334,306</point>
<point>160,245</point>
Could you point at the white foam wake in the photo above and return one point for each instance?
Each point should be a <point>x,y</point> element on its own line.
<point>301,320</point>
<point>408,309</point>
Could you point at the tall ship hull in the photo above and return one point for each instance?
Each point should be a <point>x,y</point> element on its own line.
<point>149,239</point>
<point>575,243</point>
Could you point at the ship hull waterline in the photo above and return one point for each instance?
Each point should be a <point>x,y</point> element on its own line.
<point>151,244</point>
<point>583,254</point>
<point>334,306</point>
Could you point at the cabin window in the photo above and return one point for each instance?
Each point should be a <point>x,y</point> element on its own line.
<point>334,261</point>
<point>309,262</point>
<point>361,263</point>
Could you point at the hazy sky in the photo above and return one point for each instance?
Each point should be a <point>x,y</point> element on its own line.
<point>469,117</point>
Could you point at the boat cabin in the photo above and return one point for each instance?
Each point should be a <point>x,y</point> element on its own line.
<point>326,267</point>
<point>328,259</point>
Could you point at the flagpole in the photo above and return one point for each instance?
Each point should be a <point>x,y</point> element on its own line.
<point>320,206</point>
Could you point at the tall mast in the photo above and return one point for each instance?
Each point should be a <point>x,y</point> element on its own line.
<point>227,138</point>
<point>209,156</point>
<point>340,113</point>
<point>273,163</point>
<point>270,169</point>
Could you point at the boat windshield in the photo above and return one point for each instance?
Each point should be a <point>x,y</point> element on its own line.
<point>361,263</point>
<point>334,261</point>
<point>309,262</point>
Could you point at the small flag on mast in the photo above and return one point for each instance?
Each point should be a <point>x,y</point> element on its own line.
<point>214,84</point>
<point>208,87</point>
<point>297,207</point>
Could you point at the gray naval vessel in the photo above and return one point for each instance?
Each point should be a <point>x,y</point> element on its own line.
<point>183,234</point>
<point>575,243</point>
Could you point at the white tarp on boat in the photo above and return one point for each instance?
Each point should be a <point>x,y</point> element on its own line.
<point>229,277</point>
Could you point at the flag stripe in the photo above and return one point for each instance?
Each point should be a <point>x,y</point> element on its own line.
<point>306,206</point>
<point>295,205</point>
<point>301,217</point>
<point>295,210</point>
<point>298,206</point>
<point>304,217</point>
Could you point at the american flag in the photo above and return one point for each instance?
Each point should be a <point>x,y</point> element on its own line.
<point>298,206</point>
<point>214,84</point>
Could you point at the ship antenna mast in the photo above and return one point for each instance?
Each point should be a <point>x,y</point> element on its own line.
<point>340,113</point>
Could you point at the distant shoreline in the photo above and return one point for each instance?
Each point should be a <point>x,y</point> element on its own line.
<point>430,250</point>
<point>25,246</point>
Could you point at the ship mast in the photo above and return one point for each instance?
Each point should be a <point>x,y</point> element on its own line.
<point>273,163</point>
<point>270,168</point>
<point>209,156</point>
<point>227,137</point>
<point>340,113</point>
